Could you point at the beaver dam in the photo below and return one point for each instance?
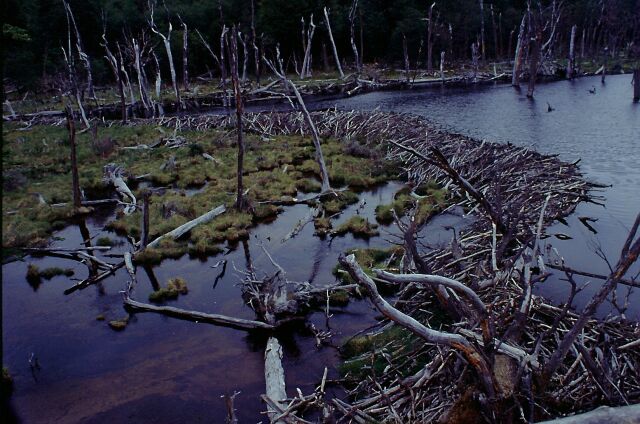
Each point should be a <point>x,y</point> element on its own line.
<point>403,292</point>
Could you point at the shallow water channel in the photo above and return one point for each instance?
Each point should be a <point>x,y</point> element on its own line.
<point>165,370</point>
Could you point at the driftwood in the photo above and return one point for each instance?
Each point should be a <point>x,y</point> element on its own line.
<point>605,414</point>
<point>274,377</point>
<point>115,175</point>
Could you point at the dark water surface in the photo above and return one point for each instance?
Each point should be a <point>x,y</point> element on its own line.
<point>161,369</point>
<point>602,130</point>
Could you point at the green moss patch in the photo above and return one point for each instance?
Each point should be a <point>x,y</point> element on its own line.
<point>174,288</point>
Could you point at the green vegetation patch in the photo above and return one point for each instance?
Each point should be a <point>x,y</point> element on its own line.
<point>35,275</point>
<point>174,288</point>
<point>430,200</point>
<point>358,226</point>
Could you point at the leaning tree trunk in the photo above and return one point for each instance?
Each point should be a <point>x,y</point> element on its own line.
<point>233,47</point>
<point>572,56</point>
<point>333,43</point>
<point>517,61</point>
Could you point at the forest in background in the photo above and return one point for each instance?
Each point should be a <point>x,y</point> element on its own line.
<point>34,31</point>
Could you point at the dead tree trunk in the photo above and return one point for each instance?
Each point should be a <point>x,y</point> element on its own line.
<point>314,131</point>
<point>306,63</point>
<point>245,54</point>
<point>517,61</point>
<point>430,39</point>
<point>584,34</point>
<point>81,53</point>
<point>185,55</point>
<point>442,66</point>
<point>223,66</point>
<point>144,233</point>
<point>482,44</point>
<point>142,83</point>
<point>572,56</point>
<point>352,20</point>
<point>241,203</point>
<point>115,68</point>
<point>166,40</point>
<point>535,39</point>
<point>75,180</point>
<point>496,50</point>
<point>254,43</point>
<point>475,55</point>
<point>405,53</point>
<point>333,43</point>
<point>636,85</point>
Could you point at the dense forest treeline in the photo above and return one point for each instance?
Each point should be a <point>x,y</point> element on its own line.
<point>34,31</point>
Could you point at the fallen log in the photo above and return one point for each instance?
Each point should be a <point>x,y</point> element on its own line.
<point>216,319</point>
<point>184,228</point>
<point>274,378</point>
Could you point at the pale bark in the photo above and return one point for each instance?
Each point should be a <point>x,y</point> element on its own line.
<point>184,228</point>
<point>482,43</point>
<point>142,83</point>
<point>475,55</point>
<point>114,174</point>
<point>517,61</point>
<point>333,43</point>
<point>274,377</point>
<point>430,39</point>
<point>115,68</point>
<point>442,66</point>
<point>185,55</point>
<point>223,66</point>
<point>81,53</point>
<point>405,53</point>
<point>306,63</point>
<point>572,56</point>
<point>166,40</point>
<point>352,18</point>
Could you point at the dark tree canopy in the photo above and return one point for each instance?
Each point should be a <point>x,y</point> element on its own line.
<point>35,30</point>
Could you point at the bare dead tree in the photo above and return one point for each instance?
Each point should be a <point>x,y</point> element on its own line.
<point>209,49</point>
<point>520,47</point>
<point>333,43</point>
<point>166,40</point>
<point>571,66</point>
<point>482,43</point>
<point>254,43</point>
<point>442,66</point>
<point>535,39</point>
<point>306,63</point>
<point>115,66</point>
<point>241,202</point>
<point>279,72</point>
<point>84,58</point>
<point>142,81</point>
<point>352,20</point>
<point>223,65</point>
<point>430,38</point>
<point>405,53</point>
<point>496,50</point>
<point>185,54</point>
<point>245,53</point>
<point>475,56</point>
